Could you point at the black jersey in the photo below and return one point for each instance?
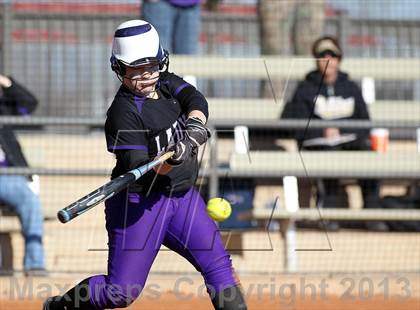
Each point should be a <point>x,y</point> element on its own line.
<point>342,100</point>
<point>137,129</point>
<point>14,100</point>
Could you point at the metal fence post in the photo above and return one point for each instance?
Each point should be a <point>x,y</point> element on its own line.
<point>6,43</point>
<point>97,93</point>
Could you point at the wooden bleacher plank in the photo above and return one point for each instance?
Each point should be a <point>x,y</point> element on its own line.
<point>294,68</point>
<point>395,110</point>
<point>10,223</point>
<point>349,164</point>
<point>234,108</point>
<point>246,109</point>
<point>250,109</point>
<point>314,214</point>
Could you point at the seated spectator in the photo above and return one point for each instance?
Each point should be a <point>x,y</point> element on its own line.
<point>15,191</point>
<point>337,98</point>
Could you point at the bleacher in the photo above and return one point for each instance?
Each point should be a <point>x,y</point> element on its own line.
<point>83,162</point>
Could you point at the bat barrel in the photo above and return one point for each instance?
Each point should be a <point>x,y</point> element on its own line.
<point>107,191</point>
<point>64,216</point>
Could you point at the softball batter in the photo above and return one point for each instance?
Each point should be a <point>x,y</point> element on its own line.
<point>154,111</point>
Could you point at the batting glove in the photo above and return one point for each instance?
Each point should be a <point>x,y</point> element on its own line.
<point>182,151</point>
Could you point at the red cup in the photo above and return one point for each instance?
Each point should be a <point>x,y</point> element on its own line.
<point>379,139</point>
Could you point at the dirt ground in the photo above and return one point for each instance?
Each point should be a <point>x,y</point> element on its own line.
<point>271,292</point>
<point>169,301</point>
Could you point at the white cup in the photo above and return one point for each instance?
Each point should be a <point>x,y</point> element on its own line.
<point>379,138</point>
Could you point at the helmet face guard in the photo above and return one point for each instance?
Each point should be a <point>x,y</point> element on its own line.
<point>136,43</point>
<point>119,67</point>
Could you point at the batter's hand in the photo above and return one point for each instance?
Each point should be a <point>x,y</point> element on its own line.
<point>197,132</point>
<point>182,151</point>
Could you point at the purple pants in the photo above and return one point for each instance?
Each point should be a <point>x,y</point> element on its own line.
<point>138,225</point>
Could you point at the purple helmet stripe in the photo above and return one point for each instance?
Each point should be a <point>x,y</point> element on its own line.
<point>132,31</point>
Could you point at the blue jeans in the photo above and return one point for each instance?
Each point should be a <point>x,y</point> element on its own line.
<point>178,27</point>
<point>16,194</point>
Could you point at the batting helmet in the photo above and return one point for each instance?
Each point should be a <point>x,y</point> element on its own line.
<point>136,43</point>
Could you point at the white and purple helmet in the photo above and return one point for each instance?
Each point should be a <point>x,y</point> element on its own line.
<point>136,43</point>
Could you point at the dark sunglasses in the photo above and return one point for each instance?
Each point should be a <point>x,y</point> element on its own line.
<point>327,53</point>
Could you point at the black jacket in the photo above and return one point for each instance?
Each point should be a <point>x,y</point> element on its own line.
<point>14,100</point>
<point>341,101</point>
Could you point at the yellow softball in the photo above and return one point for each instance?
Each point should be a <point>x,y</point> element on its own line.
<point>219,209</point>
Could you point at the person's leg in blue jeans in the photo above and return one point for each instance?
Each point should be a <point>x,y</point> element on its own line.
<point>187,30</point>
<point>161,15</point>
<point>15,193</point>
